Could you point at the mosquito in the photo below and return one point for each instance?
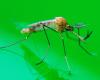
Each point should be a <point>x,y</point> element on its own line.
<point>59,25</point>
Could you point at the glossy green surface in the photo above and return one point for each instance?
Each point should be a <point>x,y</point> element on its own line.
<point>18,62</point>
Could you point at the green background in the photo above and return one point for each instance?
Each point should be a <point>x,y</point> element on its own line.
<point>18,62</point>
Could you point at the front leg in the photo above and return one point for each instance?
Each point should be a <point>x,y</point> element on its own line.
<point>79,41</point>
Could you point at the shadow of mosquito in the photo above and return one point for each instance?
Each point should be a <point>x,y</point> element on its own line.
<point>43,69</point>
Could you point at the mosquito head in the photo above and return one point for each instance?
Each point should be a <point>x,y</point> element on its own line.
<point>69,28</point>
<point>26,30</point>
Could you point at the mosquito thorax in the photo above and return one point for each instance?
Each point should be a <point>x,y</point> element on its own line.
<point>60,23</point>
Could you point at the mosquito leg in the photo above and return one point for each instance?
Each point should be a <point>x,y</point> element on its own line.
<point>61,37</point>
<point>69,37</point>
<point>48,45</point>
<point>16,42</point>
<point>46,36</point>
<point>44,26</point>
<point>79,42</point>
<point>88,35</point>
<point>79,34</point>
